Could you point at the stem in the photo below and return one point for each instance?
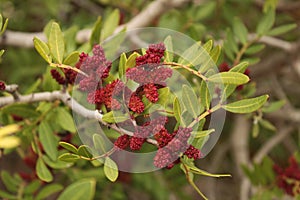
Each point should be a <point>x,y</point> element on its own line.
<point>101,156</point>
<point>243,50</point>
<point>203,115</point>
<point>68,67</point>
<point>191,182</point>
<point>188,69</point>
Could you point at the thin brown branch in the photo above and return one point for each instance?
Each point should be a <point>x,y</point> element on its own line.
<point>68,101</point>
<point>271,143</point>
<point>144,18</point>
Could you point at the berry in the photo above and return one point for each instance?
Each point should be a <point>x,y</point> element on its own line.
<point>58,77</point>
<point>2,85</point>
<point>192,152</point>
<point>136,143</point>
<point>122,141</point>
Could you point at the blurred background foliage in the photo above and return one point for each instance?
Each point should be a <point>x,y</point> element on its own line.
<point>201,20</point>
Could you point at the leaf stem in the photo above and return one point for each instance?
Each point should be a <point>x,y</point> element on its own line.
<point>191,182</point>
<point>57,65</point>
<point>111,151</point>
<point>203,115</point>
<point>243,50</point>
<point>187,68</point>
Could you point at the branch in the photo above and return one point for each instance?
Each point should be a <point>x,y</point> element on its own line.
<point>275,42</point>
<point>240,150</point>
<point>68,101</point>
<point>144,18</point>
<point>271,143</point>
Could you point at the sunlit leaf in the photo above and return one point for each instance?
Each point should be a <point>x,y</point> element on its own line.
<point>96,32</point>
<point>110,24</point>
<point>111,169</point>
<point>234,78</point>
<point>169,49</point>
<point>69,147</point>
<point>246,105</point>
<point>190,101</point>
<point>56,42</point>
<point>43,49</point>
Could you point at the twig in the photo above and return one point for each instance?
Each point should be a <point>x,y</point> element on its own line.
<point>68,101</point>
<point>271,143</point>
<point>240,151</point>
<point>275,42</point>
<point>144,18</point>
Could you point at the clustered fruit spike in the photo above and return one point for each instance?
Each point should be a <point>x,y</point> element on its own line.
<point>150,74</point>
<point>2,85</point>
<point>288,178</point>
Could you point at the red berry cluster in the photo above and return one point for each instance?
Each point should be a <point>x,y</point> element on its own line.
<point>172,145</point>
<point>151,75</point>
<point>2,85</point>
<point>136,141</point>
<point>289,178</point>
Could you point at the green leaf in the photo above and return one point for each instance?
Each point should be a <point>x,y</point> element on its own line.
<point>6,195</point>
<point>240,30</point>
<point>1,21</point>
<point>20,109</point>
<point>110,24</point>
<point>58,164</point>
<point>266,124</point>
<point>43,49</point>
<point>274,106</point>
<point>42,171</point>
<point>169,49</point>
<point>255,130</point>
<point>65,119</point>
<point>99,143</point>
<point>111,169</point>
<point>215,53</point>
<point>177,109</point>
<point>115,117</point>
<point>204,10</point>
<point>96,32</point>
<point>193,55</point>
<point>48,190</point>
<point>32,187</point>
<point>231,43</point>
<point>200,134</point>
<point>266,22</point>
<point>84,151</point>
<point>82,189</point>
<point>69,157</point>
<point>48,140</point>
<point>229,89</point>
<point>131,60</point>
<point>281,29</point>
<point>3,28</point>
<point>234,78</point>
<point>208,46</point>
<point>11,183</point>
<point>122,65</point>
<point>246,105</point>
<point>255,49</point>
<point>205,96</point>
<point>190,101</point>
<point>241,67</point>
<point>72,58</point>
<point>56,42</point>
<point>69,147</point>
